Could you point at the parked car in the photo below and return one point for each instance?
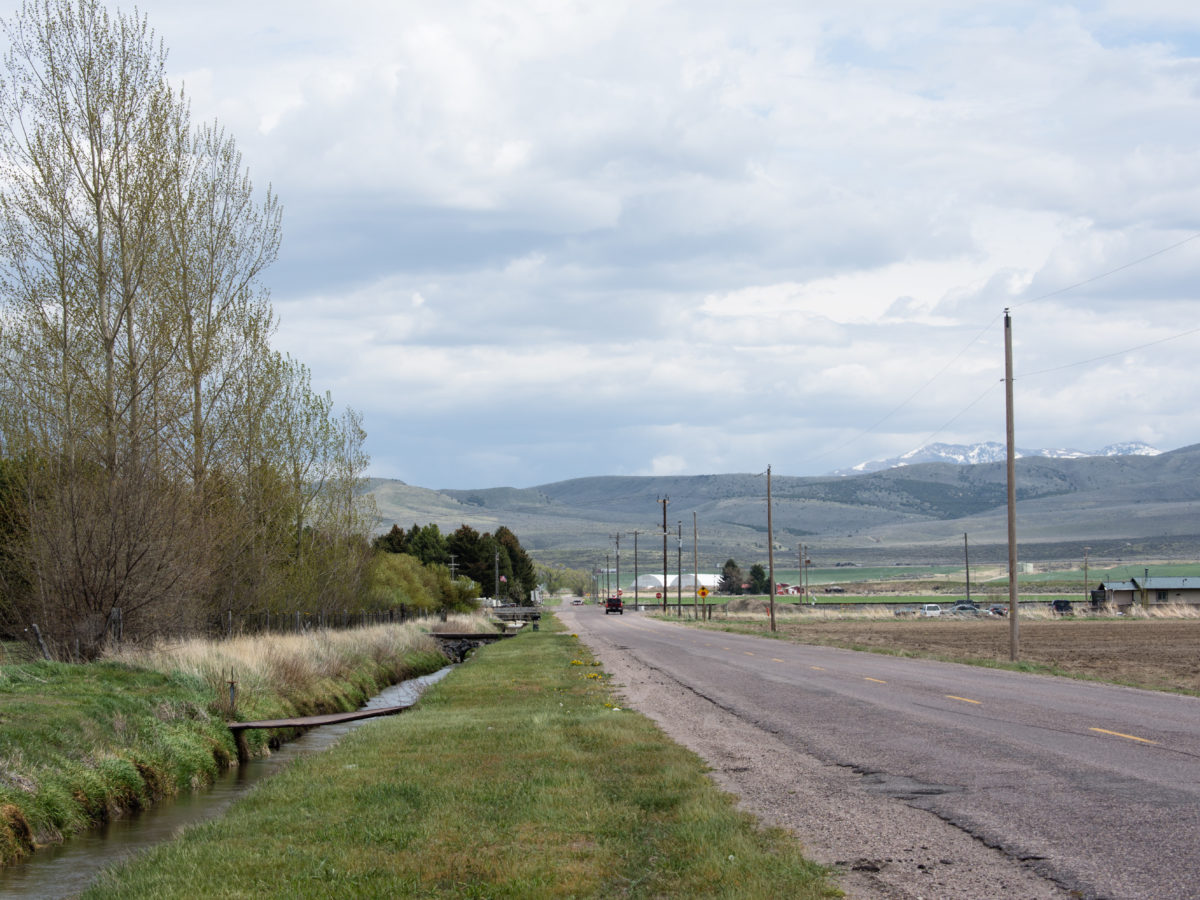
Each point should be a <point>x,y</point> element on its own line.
<point>997,609</point>
<point>1062,608</point>
<point>905,611</point>
<point>614,604</point>
<point>577,602</point>
<point>931,609</point>
<point>965,609</point>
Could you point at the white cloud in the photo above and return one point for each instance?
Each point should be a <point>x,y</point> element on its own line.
<point>723,233</point>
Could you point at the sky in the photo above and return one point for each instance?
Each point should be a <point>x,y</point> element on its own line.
<point>535,240</point>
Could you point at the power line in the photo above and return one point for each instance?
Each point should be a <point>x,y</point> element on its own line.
<point>1084,362</point>
<point>1121,268</point>
<point>1063,290</point>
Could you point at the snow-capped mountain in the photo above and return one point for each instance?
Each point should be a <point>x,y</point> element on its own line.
<point>991,451</point>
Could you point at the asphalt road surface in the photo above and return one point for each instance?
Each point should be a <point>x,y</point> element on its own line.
<point>1093,790</point>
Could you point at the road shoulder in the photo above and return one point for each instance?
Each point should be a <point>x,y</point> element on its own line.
<point>881,847</point>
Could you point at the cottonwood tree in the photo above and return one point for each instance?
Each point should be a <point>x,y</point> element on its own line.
<point>218,241</point>
<point>172,462</point>
<point>85,110</point>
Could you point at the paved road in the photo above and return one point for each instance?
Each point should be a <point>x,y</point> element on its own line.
<point>1096,786</point>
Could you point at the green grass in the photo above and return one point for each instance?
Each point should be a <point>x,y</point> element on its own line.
<point>80,744</point>
<point>518,776</point>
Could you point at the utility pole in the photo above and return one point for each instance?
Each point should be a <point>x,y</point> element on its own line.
<point>607,574</point>
<point>497,573</point>
<point>679,569</point>
<point>617,537</point>
<point>967,559</point>
<point>1014,633</point>
<point>635,534</point>
<point>803,586</point>
<point>664,501</point>
<point>695,566</point>
<point>807,579</point>
<point>770,550</point>
<point>1087,588</point>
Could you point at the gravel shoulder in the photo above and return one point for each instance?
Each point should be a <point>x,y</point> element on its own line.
<point>880,847</point>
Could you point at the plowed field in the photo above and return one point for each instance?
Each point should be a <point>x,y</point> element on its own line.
<point>1158,654</point>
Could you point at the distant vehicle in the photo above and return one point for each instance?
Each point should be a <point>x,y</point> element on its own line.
<point>577,602</point>
<point>835,589</point>
<point>614,604</point>
<point>904,611</point>
<point>1062,608</point>
<point>965,609</point>
<point>997,609</point>
<point>931,609</point>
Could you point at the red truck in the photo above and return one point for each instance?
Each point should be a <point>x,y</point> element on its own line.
<point>614,604</point>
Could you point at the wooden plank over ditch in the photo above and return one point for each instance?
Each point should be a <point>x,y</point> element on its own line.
<point>239,729</point>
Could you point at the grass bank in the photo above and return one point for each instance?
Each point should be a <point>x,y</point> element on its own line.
<point>82,744</point>
<point>517,776</point>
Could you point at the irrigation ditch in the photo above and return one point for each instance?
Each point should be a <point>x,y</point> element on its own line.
<point>65,870</point>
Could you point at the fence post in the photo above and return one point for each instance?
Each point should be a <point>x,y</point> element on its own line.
<point>41,643</point>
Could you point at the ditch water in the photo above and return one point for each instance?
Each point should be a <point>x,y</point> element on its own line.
<point>67,869</point>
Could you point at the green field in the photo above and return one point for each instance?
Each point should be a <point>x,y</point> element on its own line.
<point>517,776</point>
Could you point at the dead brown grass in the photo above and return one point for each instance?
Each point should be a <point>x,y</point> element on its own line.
<point>1150,652</point>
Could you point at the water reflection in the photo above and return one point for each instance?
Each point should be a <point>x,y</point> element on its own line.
<point>67,869</point>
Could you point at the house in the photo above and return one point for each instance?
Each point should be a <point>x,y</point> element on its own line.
<point>1153,590</point>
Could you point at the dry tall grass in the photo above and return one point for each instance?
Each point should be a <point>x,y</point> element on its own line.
<point>756,611</point>
<point>1166,611</point>
<point>291,665</point>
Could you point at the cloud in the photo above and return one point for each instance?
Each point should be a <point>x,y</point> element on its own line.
<point>533,241</point>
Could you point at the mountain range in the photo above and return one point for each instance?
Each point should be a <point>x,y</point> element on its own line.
<point>990,451</point>
<point>1123,507</point>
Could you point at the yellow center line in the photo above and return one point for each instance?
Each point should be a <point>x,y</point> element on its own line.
<point>1130,737</point>
<point>818,668</point>
<point>876,680</point>
<point>776,659</point>
<point>747,652</point>
<point>966,700</point>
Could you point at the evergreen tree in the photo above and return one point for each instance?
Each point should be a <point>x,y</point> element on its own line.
<point>758,580</point>
<point>731,578</point>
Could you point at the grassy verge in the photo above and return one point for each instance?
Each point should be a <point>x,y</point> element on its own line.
<point>518,776</point>
<point>81,744</point>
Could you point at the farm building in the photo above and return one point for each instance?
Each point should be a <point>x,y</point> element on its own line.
<point>655,582</point>
<point>649,582</point>
<point>1152,591</point>
<point>702,580</point>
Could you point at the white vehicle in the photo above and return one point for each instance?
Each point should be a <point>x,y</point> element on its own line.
<point>931,609</point>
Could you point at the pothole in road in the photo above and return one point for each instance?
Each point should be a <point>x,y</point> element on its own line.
<point>901,787</point>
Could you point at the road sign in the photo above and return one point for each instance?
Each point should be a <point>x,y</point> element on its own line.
<point>703,592</point>
<point>658,596</point>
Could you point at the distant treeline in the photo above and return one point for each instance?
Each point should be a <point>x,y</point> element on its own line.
<point>160,463</point>
<point>497,563</point>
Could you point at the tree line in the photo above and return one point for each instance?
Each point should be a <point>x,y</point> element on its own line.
<point>159,460</point>
<point>497,563</point>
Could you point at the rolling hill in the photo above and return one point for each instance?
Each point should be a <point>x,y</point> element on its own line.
<point>1122,507</point>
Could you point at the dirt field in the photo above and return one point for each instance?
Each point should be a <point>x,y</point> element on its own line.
<point>1158,654</point>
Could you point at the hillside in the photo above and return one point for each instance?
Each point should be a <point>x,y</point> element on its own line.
<point>1117,505</point>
